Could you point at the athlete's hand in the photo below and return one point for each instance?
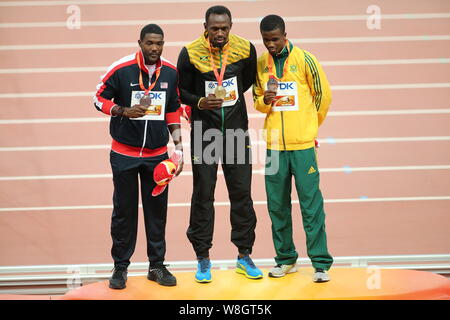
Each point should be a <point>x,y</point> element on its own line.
<point>135,111</point>
<point>269,96</point>
<point>210,102</point>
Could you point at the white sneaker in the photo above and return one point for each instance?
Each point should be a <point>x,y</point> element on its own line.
<point>280,270</point>
<point>321,275</point>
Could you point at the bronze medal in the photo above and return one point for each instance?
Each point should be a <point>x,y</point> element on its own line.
<point>272,84</point>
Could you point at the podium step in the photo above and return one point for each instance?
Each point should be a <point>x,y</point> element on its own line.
<point>346,283</point>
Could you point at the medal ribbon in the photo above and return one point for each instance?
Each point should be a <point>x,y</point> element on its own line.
<point>271,63</point>
<point>219,77</point>
<point>141,82</point>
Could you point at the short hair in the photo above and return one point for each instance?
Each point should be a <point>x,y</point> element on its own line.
<point>272,22</point>
<point>217,10</point>
<point>151,28</point>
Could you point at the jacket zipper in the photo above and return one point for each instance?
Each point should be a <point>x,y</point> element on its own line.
<point>222,110</point>
<point>145,128</point>
<point>280,67</point>
<point>145,138</point>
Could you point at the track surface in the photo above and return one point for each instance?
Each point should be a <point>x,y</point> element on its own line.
<point>385,146</point>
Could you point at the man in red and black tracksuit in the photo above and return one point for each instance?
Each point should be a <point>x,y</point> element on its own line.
<point>140,92</point>
<point>219,132</point>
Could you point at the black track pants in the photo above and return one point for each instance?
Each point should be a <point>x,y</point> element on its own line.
<point>124,221</point>
<point>237,168</point>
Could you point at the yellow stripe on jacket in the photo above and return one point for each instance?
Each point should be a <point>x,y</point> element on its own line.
<point>294,130</point>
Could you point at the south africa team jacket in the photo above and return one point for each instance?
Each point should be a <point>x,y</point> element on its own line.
<point>303,99</point>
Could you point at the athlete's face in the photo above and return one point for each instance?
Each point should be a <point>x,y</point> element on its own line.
<point>274,40</point>
<point>152,47</point>
<point>218,27</point>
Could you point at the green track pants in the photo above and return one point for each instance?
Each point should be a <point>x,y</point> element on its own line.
<point>280,167</point>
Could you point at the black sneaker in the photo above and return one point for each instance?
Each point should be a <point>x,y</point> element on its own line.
<point>161,275</point>
<point>118,279</point>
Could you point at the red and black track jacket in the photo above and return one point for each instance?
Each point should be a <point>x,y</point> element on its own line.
<point>138,137</point>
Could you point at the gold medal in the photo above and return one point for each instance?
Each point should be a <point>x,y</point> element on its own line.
<point>220,92</point>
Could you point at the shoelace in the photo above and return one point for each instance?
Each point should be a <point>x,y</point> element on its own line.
<point>249,261</point>
<point>162,270</point>
<point>119,272</point>
<point>204,265</point>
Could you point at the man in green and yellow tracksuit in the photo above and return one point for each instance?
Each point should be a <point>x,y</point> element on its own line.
<point>292,90</point>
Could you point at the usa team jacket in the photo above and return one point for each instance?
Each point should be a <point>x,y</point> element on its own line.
<point>120,84</point>
<point>303,99</point>
<point>197,80</point>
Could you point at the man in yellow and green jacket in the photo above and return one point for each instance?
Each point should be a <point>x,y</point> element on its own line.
<point>292,90</point>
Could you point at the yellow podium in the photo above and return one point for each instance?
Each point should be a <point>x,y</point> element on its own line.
<point>345,284</point>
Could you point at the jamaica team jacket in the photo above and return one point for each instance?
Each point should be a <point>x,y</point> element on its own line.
<point>197,80</point>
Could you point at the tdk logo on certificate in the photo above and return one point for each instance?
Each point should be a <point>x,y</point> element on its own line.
<point>287,97</point>
<point>156,110</point>
<point>230,86</point>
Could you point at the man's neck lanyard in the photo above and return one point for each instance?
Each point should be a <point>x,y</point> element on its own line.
<point>219,77</point>
<point>270,64</point>
<point>141,82</point>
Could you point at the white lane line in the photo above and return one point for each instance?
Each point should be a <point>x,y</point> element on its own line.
<point>109,23</point>
<point>220,172</point>
<point>405,112</point>
<point>387,112</point>
<point>254,41</point>
<point>384,62</point>
<point>329,140</point>
<point>391,86</point>
<point>394,86</point>
<point>46,95</point>
<point>56,148</point>
<point>226,203</point>
<point>103,2</point>
<point>53,70</point>
<point>384,139</point>
<point>55,120</point>
<point>324,63</point>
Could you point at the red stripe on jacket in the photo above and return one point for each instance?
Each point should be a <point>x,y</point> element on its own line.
<point>130,151</point>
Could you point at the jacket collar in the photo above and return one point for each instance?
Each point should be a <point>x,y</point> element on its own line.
<point>214,50</point>
<point>285,52</point>
<point>141,61</point>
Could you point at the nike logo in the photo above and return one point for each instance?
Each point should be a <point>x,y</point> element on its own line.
<point>133,84</point>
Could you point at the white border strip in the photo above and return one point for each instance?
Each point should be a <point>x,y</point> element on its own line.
<point>256,42</point>
<point>394,86</point>
<point>103,2</point>
<point>405,112</point>
<point>220,172</point>
<point>226,203</point>
<point>323,63</point>
<point>109,23</point>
